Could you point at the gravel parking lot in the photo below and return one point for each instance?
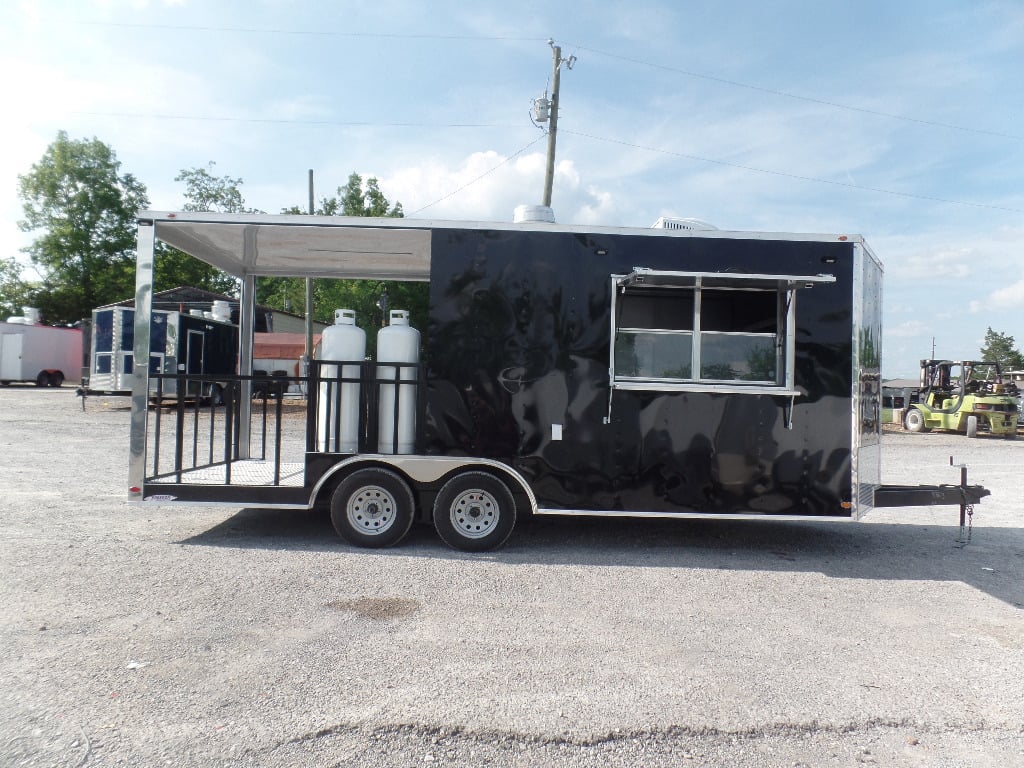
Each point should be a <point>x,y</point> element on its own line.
<point>213,636</point>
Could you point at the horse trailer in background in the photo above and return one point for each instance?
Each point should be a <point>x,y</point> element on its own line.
<point>560,370</point>
<point>44,355</point>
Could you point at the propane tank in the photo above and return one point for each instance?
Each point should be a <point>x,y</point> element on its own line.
<point>221,311</point>
<point>397,343</point>
<point>338,407</point>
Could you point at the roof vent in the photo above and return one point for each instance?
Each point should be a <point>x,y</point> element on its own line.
<point>533,213</point>
<point>693,225</point>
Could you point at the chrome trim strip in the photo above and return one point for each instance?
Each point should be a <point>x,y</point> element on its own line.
<point>690,515</point>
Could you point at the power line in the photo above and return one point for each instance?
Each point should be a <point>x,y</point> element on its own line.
<point>314,32</point>
<point>283,121</point>
<point>788,175</point>
<point>632,60</point>
<point>659,150</point>
<point>810,99</point>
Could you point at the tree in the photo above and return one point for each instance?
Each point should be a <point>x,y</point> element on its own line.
<point>15,292</point>
<point>368,298</point>
<point>999,347</point>
<point>77,197</point>
<point>354,200</point>
<point>203,192</point>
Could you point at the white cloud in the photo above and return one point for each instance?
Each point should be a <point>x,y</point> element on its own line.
<point>1004,298</point>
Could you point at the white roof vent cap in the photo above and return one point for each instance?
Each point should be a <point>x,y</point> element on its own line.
<point>533,213</point>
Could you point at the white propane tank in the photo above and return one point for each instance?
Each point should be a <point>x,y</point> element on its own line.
<point>221,311</point>
<point>339,418</point>
<point>397,343</point>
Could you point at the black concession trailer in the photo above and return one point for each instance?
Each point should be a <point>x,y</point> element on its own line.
<point>565,370</point>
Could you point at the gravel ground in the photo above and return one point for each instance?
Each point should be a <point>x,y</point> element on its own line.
<point>213,636</point>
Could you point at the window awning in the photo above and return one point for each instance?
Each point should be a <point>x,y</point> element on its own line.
<point>654,278</point>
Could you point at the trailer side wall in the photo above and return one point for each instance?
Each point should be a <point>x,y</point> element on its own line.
<point>518,370</point>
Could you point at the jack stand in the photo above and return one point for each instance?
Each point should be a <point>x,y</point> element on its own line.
<point>966,510</point>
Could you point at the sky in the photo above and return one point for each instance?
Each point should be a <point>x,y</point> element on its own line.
<point>902,122</point>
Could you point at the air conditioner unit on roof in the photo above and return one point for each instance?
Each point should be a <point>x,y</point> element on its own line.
<point>667,222</point>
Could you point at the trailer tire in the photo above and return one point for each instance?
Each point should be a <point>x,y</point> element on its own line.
<point>372,508</point>
<point>56,379</point>
<point>215,396</point>
<point>43,379</point>
<point>474,512</point>
<point>972,426</point>
<point>914,421</point>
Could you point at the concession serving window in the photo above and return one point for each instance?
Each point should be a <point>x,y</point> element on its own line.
<point>705,331</point>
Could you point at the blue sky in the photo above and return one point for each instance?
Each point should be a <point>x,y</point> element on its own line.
<point>903,122</point>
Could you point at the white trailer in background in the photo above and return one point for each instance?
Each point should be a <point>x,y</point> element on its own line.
<point>45,355</point>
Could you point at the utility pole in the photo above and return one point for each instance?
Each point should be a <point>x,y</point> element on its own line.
<point>549,173</point>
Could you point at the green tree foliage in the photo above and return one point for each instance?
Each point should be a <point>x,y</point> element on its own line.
<point>354,199</point>
<point>206,192</point>
<point>84,209</point>
<point>999,347</point>
<point>368,298</point>
<point>15,292</point>
<point>203,192</point>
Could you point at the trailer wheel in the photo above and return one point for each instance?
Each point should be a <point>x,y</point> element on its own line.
<point>56,379</point>
<point>215,396</point>
<point>372,508</point>
<point>43,379</point>
<point>914,421</point>
<point>474,512</point>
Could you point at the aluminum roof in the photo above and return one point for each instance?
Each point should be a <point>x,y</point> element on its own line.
<point>353,247</point>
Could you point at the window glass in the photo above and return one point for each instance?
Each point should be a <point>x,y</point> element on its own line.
<point>158,333</point>
<point>103,332</point>
<point>731,357</point>
<point>654,355</point>
<point>737,338</point>
<point>103,362</point>
<point>127,331</point>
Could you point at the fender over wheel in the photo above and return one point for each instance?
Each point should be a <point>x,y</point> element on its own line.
<point>372,508</point>
<point>474,512</point>
<point>914,421</point>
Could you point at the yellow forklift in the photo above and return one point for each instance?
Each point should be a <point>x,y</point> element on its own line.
<point>963,396</point>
